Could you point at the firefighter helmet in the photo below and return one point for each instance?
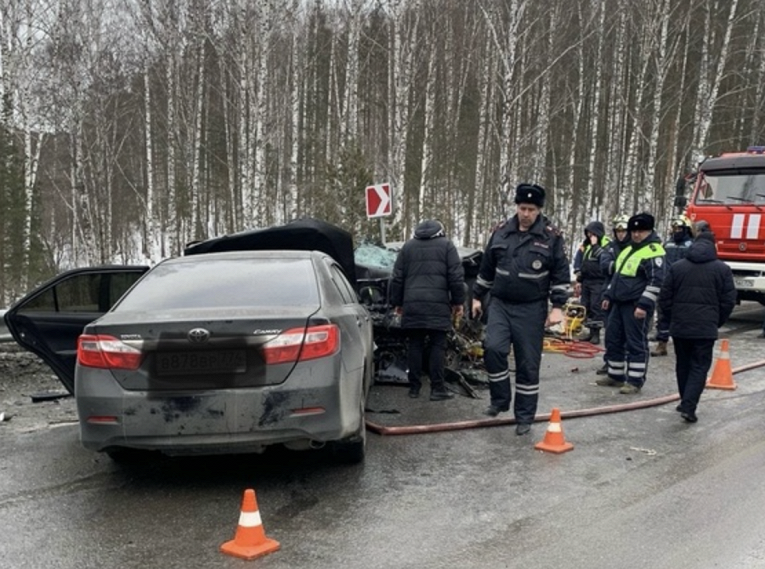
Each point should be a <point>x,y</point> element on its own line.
<point>620,221</point>
<point>681,221</point>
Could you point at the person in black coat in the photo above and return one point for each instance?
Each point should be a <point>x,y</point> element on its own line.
<point>428,290</point>
<point>697,297</point>
<point>591,279</point>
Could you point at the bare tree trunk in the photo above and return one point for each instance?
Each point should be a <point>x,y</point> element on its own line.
<point>262,211</point>
<point>427,142</point>
<point>664,55</point>
<point>616,127</point>
<point>199,227</point>
<point>595,201</point>
<point>759,95</point>
<point>402,38</point>
<point>567,210</point>
<point>705,107</point>
<point>152,248</point>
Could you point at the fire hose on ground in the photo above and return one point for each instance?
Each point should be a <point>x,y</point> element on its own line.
<point>479,423</point>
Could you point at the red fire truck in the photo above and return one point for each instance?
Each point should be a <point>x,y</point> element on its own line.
<point>729,194</point>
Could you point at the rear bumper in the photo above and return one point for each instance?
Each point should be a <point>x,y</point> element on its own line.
<point>315,405</point>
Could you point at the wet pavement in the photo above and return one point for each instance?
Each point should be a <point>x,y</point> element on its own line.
<point>640,488</point>
<point>566,383</point>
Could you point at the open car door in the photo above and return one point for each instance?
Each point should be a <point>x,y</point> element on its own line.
<point>48,320</point>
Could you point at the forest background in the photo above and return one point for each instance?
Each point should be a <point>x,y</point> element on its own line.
<point>131,127</point>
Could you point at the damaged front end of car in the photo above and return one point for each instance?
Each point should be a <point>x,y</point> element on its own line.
<point>464,348</point>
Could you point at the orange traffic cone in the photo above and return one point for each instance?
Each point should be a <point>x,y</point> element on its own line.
<point>250,540</point>
<point>722,375</point>
<point>554,440</point>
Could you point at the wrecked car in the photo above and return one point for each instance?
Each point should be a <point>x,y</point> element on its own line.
<point>243,342</point>
<point>464,349</point>
<point>251,339</point>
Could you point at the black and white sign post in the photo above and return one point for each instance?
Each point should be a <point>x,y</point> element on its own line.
<point>379,204</point>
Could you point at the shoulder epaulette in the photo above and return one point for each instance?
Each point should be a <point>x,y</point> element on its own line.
<point>499,225</point>
<point>552,229</point>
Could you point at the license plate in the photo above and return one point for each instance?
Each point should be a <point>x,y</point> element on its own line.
<point>222,361</point>
<point>744,283</point>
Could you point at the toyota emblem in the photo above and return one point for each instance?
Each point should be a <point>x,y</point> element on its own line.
<point>199,335</point>
<point>742,246</point>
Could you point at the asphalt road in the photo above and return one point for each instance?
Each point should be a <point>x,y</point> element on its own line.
<point>640,488</point>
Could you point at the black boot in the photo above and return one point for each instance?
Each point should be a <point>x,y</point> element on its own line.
<point>595,336</point>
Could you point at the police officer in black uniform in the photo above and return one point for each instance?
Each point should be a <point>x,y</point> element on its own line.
<point>524,264</point>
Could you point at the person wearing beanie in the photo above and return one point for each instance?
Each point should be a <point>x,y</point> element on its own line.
<point>696,298</point>
<point>630,299</point>
<point>524,267</point>
<point>428,289</point>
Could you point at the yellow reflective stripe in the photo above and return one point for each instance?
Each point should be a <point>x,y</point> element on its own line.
<point>628,261</point>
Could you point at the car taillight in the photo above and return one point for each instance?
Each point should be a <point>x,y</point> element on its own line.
<point>107,352</point>
<point>300,344</point>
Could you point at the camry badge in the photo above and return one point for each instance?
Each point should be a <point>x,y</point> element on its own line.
<point>198,335</point>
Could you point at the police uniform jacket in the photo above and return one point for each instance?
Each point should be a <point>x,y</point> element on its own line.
<point>638,274</point>
<point>428,279</point>
<point>610,253</point>
<point>677,249</point>
<point>589,267</point>
<point>698,293</point>
<point>524,266</point>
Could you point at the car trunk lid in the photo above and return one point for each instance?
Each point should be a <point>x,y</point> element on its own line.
<point>183,349</point>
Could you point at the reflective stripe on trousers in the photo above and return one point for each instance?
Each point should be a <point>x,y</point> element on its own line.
<point>522,326</point>
<point>627,344</point>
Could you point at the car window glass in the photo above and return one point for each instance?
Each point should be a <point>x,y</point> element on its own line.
<point>119,283</point>
<point>342,284</point>
<point>89,292</point>
<point>76,294</point>
<point>200,282</point>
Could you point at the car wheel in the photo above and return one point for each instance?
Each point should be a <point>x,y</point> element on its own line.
<point>353,449</point>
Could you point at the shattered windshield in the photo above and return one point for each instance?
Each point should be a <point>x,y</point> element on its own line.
<point>371,255</point>
<point>721,188</point>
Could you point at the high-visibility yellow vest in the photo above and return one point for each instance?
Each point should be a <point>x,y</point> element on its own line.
<point>629,259</point>
<point>604,240</point>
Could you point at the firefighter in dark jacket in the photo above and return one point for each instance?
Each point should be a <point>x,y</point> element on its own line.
<point>524,266</point>
<point>697,297</point>
<point>608,258</point>
<point>630,300</point>
<point>591,280</point>
<point>428,290</point>
<point>614,247</point>
<point>676,248</point>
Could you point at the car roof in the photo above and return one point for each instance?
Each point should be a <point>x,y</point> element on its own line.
<point>270,254</point>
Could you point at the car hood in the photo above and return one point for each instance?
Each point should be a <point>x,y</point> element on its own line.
<point>305,234</point>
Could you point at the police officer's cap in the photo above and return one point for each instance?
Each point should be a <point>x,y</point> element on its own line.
<point>530,193</point>
<point>641,222</point>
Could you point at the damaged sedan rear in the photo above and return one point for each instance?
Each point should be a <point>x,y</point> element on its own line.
<point>216,353</point>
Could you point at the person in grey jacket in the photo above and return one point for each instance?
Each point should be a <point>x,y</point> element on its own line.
<point>697,297</point>
<point>428,290</point>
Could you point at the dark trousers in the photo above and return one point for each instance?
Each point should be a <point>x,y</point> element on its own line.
<point>662,327</point>
<point>627,344</point>
<point>416,352</point>
<point>592,298</point>
<point>693,360</point>
<point>523,327</point>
